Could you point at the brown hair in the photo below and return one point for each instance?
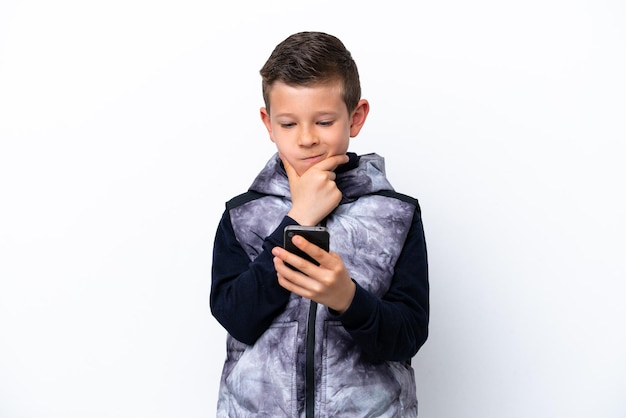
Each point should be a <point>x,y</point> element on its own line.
<point>309,58</point>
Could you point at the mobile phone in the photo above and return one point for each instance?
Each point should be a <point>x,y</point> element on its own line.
<point>317,235</point>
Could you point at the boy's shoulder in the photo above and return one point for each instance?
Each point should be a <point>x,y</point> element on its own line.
<point>251,195</point>
<point>397,195</point>
<point>243,198</point>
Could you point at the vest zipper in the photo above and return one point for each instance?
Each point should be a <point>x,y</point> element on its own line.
<point>309,371</point>
<point>309,374</point>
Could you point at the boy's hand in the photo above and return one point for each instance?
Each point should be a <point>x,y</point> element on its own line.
<point>328,284</point>
<point>314,194</point>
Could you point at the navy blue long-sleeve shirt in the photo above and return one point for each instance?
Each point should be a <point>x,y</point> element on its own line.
<point>246,296</point>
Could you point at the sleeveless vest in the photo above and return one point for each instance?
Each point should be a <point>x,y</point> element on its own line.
<point>267,379</point>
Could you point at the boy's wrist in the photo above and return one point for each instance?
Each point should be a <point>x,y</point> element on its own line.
<point>301,219</point>
<point>349,298</point>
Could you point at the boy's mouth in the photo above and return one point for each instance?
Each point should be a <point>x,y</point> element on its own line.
<point>313,158</point>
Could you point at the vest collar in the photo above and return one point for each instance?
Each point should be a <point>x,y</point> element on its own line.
<point>361,175</point>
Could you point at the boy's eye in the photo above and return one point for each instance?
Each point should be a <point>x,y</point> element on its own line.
<point>325,123</point>
<point>287,125</point>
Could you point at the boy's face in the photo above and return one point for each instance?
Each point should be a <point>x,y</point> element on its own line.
<point>310,124</point>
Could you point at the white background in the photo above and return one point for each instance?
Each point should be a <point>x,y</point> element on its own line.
<point>126,125</point>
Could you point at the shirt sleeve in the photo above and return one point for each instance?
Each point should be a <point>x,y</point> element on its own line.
<point>245,295</point>
<point>395,326</point>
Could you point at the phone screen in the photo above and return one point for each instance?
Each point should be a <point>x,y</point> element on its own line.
<point>317,235</point>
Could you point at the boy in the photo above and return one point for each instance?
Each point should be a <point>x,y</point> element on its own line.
<point>334,339</point>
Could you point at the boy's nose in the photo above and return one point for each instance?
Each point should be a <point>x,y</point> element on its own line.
<point>307,138</point>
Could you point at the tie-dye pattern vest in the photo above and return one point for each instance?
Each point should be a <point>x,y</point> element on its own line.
<point>368,230</point>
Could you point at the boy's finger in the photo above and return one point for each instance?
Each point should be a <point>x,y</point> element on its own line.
<point>308,247</point>
<point>330,163</point>
<point>287,258</point>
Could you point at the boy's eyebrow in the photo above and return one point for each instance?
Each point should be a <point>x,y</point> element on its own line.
<point>318,114</point>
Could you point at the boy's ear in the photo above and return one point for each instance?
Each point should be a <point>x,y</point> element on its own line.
<point>265,117</point>
<point>358,117</point>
